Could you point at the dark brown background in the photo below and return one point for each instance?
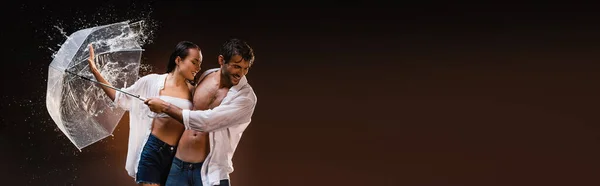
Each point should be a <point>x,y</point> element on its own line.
<point>348,94</point>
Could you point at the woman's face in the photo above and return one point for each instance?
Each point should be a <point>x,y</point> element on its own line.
<point>190,66</point>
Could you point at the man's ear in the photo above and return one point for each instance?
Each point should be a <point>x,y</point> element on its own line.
<point>221,60</point>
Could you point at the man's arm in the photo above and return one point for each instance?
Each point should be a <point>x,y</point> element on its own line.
<point>238,112</point>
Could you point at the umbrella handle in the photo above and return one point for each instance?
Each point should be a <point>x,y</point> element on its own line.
<point>142,98</point>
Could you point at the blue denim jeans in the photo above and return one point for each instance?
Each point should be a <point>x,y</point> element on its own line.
<point>187,174</point>
<point>155,161</point>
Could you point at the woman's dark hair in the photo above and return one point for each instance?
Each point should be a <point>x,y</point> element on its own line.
<point>181,50</point>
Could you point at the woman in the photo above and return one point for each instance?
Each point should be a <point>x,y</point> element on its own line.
<point>153,140</point>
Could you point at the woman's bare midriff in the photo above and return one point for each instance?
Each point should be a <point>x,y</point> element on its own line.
<point>193,146</point>
<point>167,130</point>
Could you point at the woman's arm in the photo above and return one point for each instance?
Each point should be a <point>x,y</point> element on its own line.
<point>109,92</point>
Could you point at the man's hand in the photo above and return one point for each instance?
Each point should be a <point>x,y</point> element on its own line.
<point>157,105</point>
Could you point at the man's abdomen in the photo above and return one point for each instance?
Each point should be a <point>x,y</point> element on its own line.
<point>193,146</point>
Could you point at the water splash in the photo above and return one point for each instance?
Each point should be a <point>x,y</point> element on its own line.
<point>80,108</point>
<point>142,32</point>
<point>52,30</point>
<point>61,30</point>
<point>145,69</point>
<point>145,31</point>
<point>29,125</point>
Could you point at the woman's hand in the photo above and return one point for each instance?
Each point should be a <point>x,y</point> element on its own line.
<point>91,61</point>
<point>157,105</point>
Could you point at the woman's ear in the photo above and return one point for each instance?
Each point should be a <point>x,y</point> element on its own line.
<point>177,60</point>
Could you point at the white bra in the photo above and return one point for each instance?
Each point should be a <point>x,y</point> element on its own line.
<point>175,101</point>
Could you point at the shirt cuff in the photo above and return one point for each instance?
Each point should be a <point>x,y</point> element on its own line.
<point>116,101</point>
<point>185,114</point>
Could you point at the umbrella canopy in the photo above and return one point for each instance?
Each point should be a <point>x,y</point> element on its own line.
<point>80,108</point>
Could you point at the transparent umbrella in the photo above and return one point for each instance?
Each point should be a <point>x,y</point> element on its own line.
<point>78,106</point>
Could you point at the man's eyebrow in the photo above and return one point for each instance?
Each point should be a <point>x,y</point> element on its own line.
<point>242,59</point>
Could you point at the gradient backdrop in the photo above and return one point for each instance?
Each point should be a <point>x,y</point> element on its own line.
<point>348,94</point>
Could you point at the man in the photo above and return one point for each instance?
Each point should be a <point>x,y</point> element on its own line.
<point>223,104</point>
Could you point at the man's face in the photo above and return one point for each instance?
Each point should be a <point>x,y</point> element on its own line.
<point>235,69</point>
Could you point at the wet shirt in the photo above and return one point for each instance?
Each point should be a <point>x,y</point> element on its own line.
<point>140,120</point>
<point>225,125</point>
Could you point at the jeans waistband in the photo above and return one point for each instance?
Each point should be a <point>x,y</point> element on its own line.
<point>161,144</point>
<point>186,165</point>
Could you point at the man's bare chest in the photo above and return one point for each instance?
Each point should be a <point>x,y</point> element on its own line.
<point>216,97</point>
<point>208,96</point>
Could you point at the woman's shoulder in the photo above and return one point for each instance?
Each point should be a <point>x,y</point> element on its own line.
<point>148,78</point>
<point>151,76</point>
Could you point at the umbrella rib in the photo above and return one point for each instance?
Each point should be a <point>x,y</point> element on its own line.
<point>72,96</point>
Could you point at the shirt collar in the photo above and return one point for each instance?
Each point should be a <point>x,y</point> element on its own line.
<point>161,81</point>
<point>241,84</point>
